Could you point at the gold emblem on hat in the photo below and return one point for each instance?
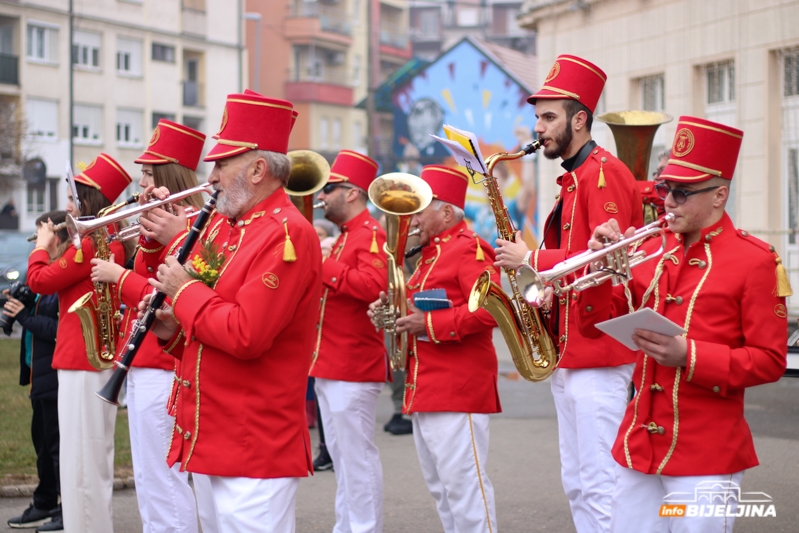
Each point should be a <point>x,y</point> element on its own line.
<point>683,142</point>
<point>224,121</point>
<point>156,136</point>
<point>553,72</point>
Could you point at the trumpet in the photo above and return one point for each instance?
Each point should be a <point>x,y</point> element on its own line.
<point>57,227</point>
<point>79,229</point>
<point>614,263</point>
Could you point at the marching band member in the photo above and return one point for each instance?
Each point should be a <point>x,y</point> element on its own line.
<point>86,424</point>
<point>718,283</point>
<point>349,364</point>
<point>451,384</point>
<point>590,385</point>
<point>165,498</point>
<point>244,327</point>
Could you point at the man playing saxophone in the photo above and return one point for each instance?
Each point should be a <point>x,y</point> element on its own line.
<point>591,382</point>
<point>451,384</point>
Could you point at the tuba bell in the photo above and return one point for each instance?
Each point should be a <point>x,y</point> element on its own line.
<point>309,173</point>
<point>399,196</point>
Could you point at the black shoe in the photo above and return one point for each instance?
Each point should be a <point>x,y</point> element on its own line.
<point>31,517</point>
<point>396,418</point>
<point>400,426</point>
<point>323,460</point>
<point>56,524</point>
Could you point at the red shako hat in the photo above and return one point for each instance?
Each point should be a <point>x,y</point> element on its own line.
<point>573,78</point>
<point>354,168</point>
<point>105,175</point>
<point>702,150</point>
<point>174,143</point>
<point>248,92</point>
<point>448,185</point>
<point>253,122</point>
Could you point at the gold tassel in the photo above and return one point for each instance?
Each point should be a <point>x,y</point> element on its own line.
<point>373,249</point>
<point>601,184</point>
<point>289,255</point>
<point>783,284</point>
<point>79,256</point>
<point>479,256</point>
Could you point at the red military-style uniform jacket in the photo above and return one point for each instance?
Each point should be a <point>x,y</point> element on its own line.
<point>457,369</point>
<point>245,348</point>
<point>70,280</point>
<point>586,205</point>
<point>689,421</point>
<point>347,346</point>
<point>132,287</point>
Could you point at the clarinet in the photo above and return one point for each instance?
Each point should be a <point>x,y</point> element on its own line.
<point>110,392</point>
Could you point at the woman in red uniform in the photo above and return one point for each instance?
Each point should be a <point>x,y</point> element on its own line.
<point>86,424</point>
<point>166,501</point>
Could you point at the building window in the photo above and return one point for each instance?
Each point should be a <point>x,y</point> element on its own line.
<point>356,70</point>
<point>323,133</point>
<point>195,123</point>
<point>163,52</point>
<point>86,49</point>
<point>42,118</point>
<point>129,127</point>
<point>336,134</point>
<point>158,116</point>
<point>653,94</point>
<point>42,43</point>
<point>791,73</point>
<point>468,16</point>
<point>720,82</point>
<point>129,56</point>
<point>793,193</point>
<point>37,192</point>
<point>429,23</point>
<point>88,124</point>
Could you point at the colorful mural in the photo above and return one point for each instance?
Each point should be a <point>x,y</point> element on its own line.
<point>467,88</point>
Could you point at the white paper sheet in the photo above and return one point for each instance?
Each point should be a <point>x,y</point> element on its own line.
<point>623,327</point>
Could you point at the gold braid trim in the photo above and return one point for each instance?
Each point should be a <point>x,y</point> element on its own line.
<point>154,250</point>
<point>479,476</point>
<point>560,91</point>
<point>170,159</point>
<point>177,295</point>
<point>693,360</point>
<point>430,327</point>
<point>676,421</point>
<point>635,416</point>
<point>196,410</point>
<point>42,248</point>
<point>692,166</point>
<point>340,249</point>
<point>172,346</point>
<point>240,144</point>
<point>120,282</point>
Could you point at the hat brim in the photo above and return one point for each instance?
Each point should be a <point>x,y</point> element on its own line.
<point>683,174</point>
<point>337,178</point>
<point>83,180</point>
<point>222,151</point>
<point>547,94</point>
<point>151,159</point>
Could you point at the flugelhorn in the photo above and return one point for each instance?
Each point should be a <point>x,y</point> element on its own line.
<point>309,173</point>
<point>615,262</point>
<point>57,227</point>
<point>79,229</point>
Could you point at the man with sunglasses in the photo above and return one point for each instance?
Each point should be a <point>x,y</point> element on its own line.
<point>685,428</point>
<point>349,363</point>
<point>591,382</point>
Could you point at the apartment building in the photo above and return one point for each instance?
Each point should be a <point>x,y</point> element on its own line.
<point>315,53</point>
<point>736,63</point>
<point>129,64</point>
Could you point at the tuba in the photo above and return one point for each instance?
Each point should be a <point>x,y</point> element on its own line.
<point>309,173</point>
<point>399,196</point>
<point>98,310</point>
<point>533,351</point>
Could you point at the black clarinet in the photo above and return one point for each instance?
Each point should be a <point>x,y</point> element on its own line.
<point>110,392</point>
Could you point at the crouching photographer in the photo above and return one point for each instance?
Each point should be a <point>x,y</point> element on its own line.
<point>38,316</point>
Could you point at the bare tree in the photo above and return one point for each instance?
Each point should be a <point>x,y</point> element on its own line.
<point>12,133</point>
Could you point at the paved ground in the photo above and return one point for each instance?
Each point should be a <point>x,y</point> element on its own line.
<point>524,467</point>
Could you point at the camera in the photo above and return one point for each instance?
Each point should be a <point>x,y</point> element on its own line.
<point>19,291</point>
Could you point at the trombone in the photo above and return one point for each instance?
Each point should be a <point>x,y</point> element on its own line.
<point>614,263</point>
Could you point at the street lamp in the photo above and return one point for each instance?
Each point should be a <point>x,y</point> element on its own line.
<point>256,17</point>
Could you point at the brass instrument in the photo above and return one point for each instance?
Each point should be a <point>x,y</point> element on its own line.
<point>614,263</point>
<point>309,173</point>
<point>57,227</point>
<point>533,351</point>
<point>399,196</point>
<point>99,320</point>
<point>634,133</point>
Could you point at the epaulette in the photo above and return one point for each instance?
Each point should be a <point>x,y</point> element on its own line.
<point>783,285</point>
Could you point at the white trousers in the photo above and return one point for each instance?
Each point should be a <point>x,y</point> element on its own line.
<point>86,452</point>
<point>249,505</point>
<point>638,498</point>
<point>348,415</point>
<point>166,501</point>
<point>206,508</point>
<point>590,403</point>
<point>453,451</point>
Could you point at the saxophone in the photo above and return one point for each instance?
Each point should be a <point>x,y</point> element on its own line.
<point>98,321</point>
<point>533,351</point>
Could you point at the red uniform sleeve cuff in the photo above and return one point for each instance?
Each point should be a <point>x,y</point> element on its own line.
<point>332,273</point>
<point>131,288</point>
<point>708,365</point>
<point>173,346</point>
<point>440,326</point>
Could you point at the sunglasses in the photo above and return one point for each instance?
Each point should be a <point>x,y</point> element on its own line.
<point>679,195</point>
<point>330,187</point>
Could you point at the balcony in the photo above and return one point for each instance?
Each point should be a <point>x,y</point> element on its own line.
<point>312,21</point>
<point>333,87</point>
<point>194,22</point>
<point>9,69</point>
<point>193,94</point>
<point>421,35</point>
<point>394,42</point>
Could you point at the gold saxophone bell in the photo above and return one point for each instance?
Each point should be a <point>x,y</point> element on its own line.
<point>399,196</point>
<point>309,173</point>
<point>95,321</point>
